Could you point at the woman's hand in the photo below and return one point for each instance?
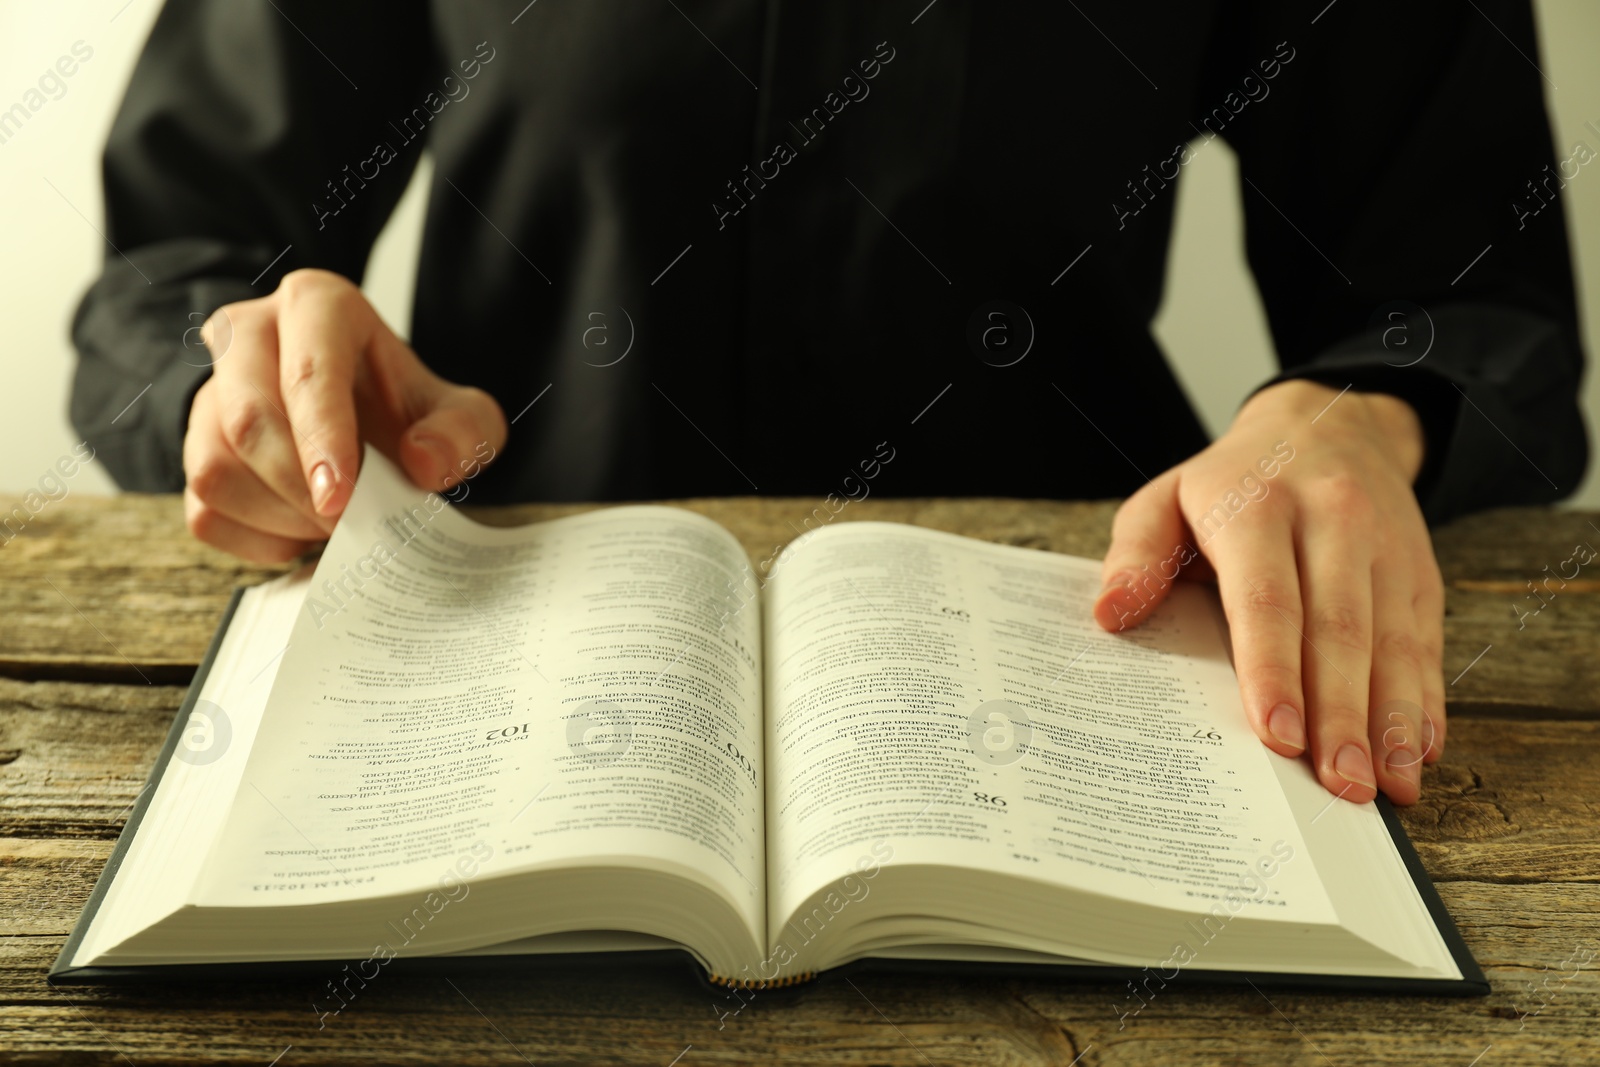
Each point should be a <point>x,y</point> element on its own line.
<point>1304,513</point>
<point>299,380</point>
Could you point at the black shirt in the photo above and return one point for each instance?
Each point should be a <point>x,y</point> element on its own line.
<point>823,231</point>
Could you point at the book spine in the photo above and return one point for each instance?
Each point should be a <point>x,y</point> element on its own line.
<point>762,983</point>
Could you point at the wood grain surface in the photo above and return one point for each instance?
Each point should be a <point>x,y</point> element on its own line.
<point>107,605</point>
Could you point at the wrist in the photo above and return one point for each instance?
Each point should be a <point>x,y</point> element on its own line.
<point>1401,428</point>
<point>1391,421</point>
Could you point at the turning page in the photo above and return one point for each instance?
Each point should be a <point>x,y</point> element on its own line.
<point>573,693</point>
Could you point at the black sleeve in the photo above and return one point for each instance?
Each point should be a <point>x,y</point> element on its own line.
<point>1389,172</point>
<point>239,115</point>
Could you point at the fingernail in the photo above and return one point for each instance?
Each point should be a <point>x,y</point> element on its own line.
<point>1285,724</point>
<point>1353,765</point>
<point>323,482</point>
<point>1402,763</point>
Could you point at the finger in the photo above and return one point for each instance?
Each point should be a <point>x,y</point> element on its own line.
<point>1336,588</point>
<point>324,323</point>
<point>223,482</point>
<point>438,432</point>
<point>252,420</point>
<point>1430,631</point>
<point>1395,724</point>
<point>217,331</point>
<point>1259,583</point>
<point>1149,545</point>
<point>219,531</point>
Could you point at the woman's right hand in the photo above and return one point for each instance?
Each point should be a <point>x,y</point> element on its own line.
<point>300,379</point>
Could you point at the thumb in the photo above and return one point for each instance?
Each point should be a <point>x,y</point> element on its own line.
<point>462,429</point>
<point>1149,543</point>
<point>438,432</point>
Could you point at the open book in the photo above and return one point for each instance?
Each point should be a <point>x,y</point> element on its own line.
<point>607,733</point>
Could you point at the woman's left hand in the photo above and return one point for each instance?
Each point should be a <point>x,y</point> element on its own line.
<point>1304,514</point>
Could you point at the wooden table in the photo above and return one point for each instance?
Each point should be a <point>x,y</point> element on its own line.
<point>107,605</point>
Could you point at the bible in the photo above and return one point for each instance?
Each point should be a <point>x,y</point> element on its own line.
<point>608,737</point>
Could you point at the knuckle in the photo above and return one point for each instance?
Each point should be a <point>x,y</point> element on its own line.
<point>299,373</point>
<point>237,311</point>
<point>1338,712</point>
<point>1140,497</point>
<point>240,320</point>
<point>1268,596</point>
<point>226,313</point>
<point>243,423</point>
<point>1344,494</point>
<point>1335,719</point>
<point>1341,624</point>
<point>210,527</point>
<point>217,331</point>
<point>1139,505</point>
<point>207,477</point>
<point>203,522</point>
<point>1274,676</point>
<point>307,281</point>
<point>310,376</point>
<point>243,339</point>
<point>1401,646</point>
<point>293,286</point>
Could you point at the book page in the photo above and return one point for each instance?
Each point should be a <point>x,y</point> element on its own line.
<point>933,699</point>
<point>578,692</point>
<point>190,803</point>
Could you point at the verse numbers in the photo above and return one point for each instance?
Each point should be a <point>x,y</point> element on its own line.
<point>507,733</point>
<point>1208,734</point>
<point>984,798</point>
<point>733,753</point>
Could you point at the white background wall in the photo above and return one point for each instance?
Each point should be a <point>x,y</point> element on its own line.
<point>1211,323</point>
